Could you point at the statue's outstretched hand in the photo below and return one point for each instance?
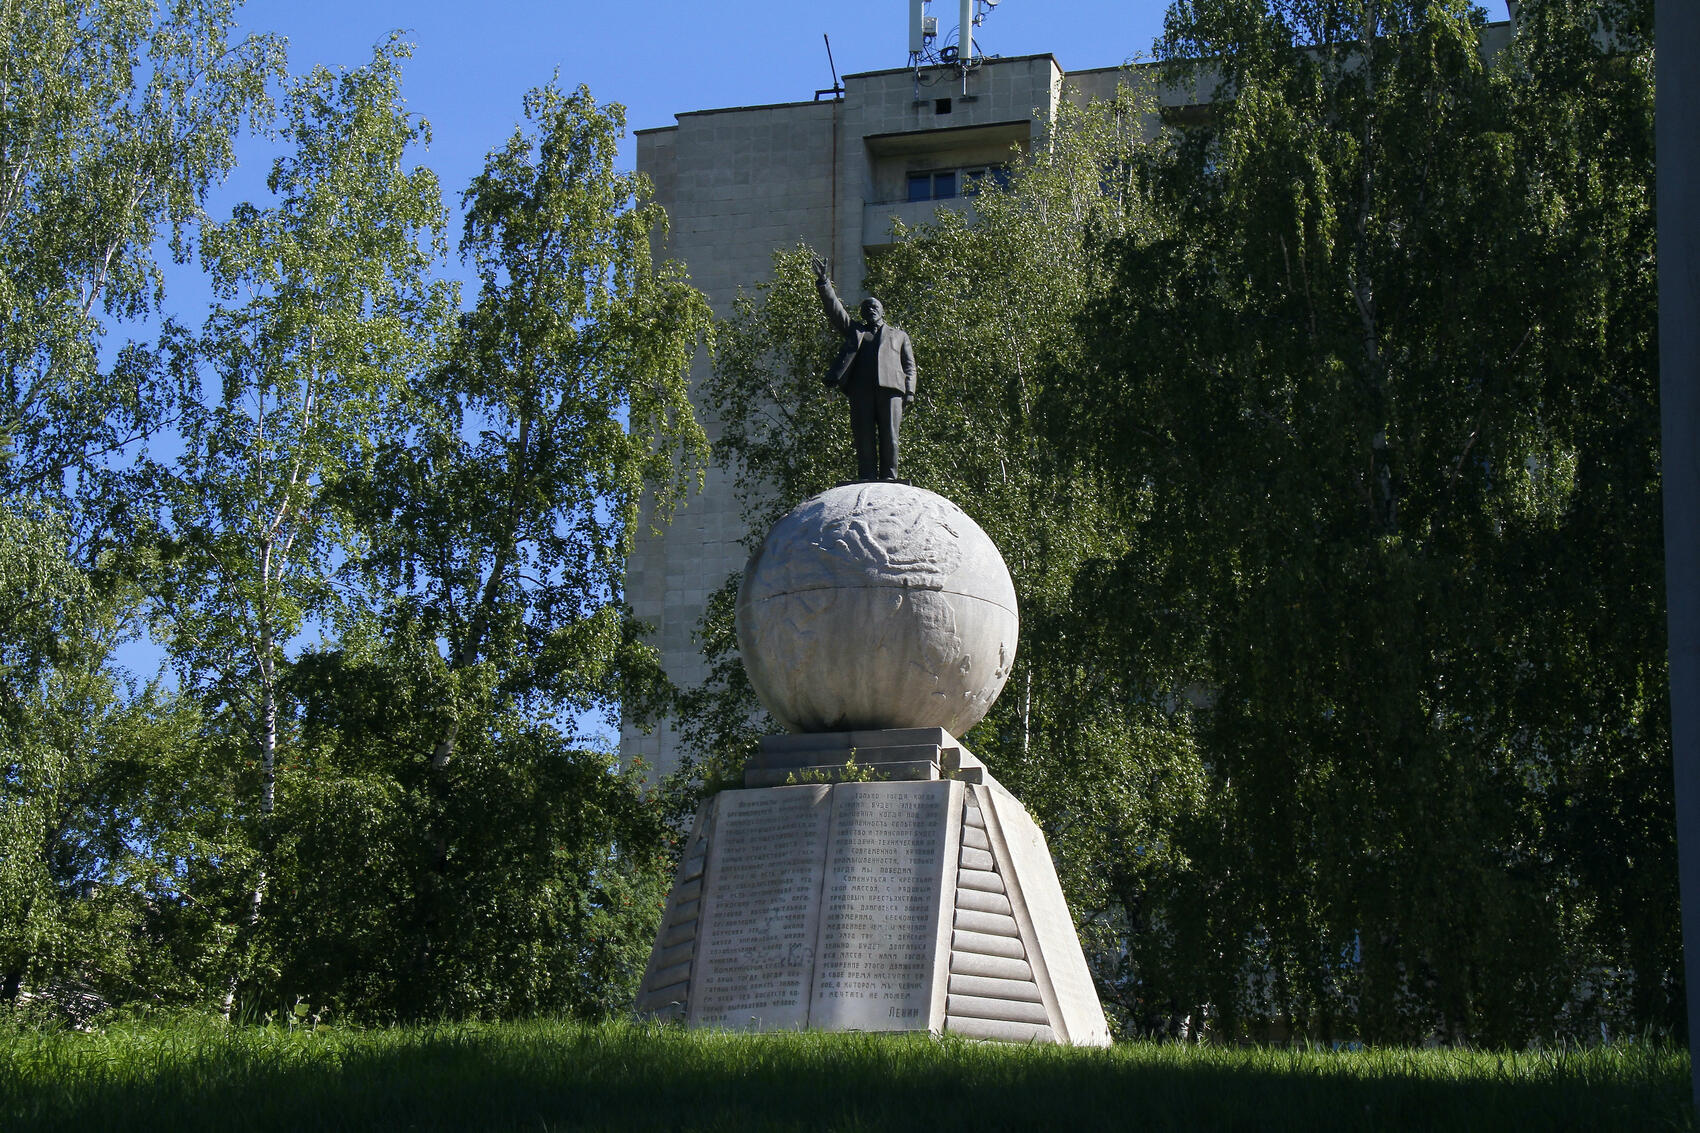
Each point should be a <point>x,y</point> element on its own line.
<point>820,267</point>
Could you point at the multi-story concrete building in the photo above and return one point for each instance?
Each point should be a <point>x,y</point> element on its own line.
<point>738,183</point>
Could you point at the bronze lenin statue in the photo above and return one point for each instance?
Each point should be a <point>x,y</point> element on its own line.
<point>876,371</point>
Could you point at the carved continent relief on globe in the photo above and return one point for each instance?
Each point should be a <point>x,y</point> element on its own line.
<point>877,605</point>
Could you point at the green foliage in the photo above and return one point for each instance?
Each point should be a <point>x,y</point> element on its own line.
<point>330,305</point>
<point>397,820</point>
<point>849,772</point>
<point>115,118</point>
<point>1385,380</point>
<point>505,519</point>
<point>76,747</point>
<point>522,871</point>
<point>43,593</point>
<point>525,876</point>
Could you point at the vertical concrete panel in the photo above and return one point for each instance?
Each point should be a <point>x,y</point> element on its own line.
<point>1677,24</point>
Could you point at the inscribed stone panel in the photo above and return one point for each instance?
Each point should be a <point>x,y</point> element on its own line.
<point>761,909</point>
<point>891,857</point>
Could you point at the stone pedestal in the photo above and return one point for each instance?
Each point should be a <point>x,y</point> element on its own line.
<point>922,901</point>
<point>871,875</point>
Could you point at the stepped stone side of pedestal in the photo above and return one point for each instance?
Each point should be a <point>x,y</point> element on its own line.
<point>665,990</point>
<point>1047,930</point>
<point>992,991</point>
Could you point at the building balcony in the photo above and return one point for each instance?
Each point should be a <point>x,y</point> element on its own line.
<point>877,217</point>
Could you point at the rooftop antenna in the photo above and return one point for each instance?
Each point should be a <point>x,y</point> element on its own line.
<point>837,88</point>
<point>974,13</point>
<point>924,33</point>
<point>923,29</point>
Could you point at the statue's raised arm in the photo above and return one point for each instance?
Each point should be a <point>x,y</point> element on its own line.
<point>835,312</point>
<point>876,371</point>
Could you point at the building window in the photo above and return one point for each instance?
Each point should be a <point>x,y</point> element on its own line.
<point>939,186</point>
<point>947,184</point>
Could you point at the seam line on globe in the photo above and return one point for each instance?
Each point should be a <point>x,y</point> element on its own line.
<point>927,589</point>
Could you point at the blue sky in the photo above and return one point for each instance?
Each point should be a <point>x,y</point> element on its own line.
<point>472,62</point>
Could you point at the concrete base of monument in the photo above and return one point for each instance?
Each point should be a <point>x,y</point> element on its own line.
<point>923,902</point>
<point>885,754</point>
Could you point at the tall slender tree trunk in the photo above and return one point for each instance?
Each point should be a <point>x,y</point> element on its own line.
<point>467,654</point>
<point>267,743</point>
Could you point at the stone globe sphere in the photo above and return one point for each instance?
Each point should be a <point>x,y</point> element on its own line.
<point>877,605</point>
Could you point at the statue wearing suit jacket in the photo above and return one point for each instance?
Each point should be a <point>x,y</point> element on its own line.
<point>876,370</point>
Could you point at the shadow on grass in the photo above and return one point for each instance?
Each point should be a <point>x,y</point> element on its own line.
<point>542,1077</point>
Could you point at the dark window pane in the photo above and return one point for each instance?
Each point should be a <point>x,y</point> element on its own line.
<point>944,186</point>
<point>920,186</point>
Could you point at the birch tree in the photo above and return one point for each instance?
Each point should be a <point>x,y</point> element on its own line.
<point>115,118</point>
<point>561,414</point>
<point>328,304</point>
<point>1386,379</point>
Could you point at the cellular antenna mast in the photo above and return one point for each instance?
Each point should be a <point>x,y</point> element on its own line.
<point>924,35</point>
<point>923,30</point>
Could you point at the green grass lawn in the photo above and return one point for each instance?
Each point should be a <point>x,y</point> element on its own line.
<point>546,1075</point>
